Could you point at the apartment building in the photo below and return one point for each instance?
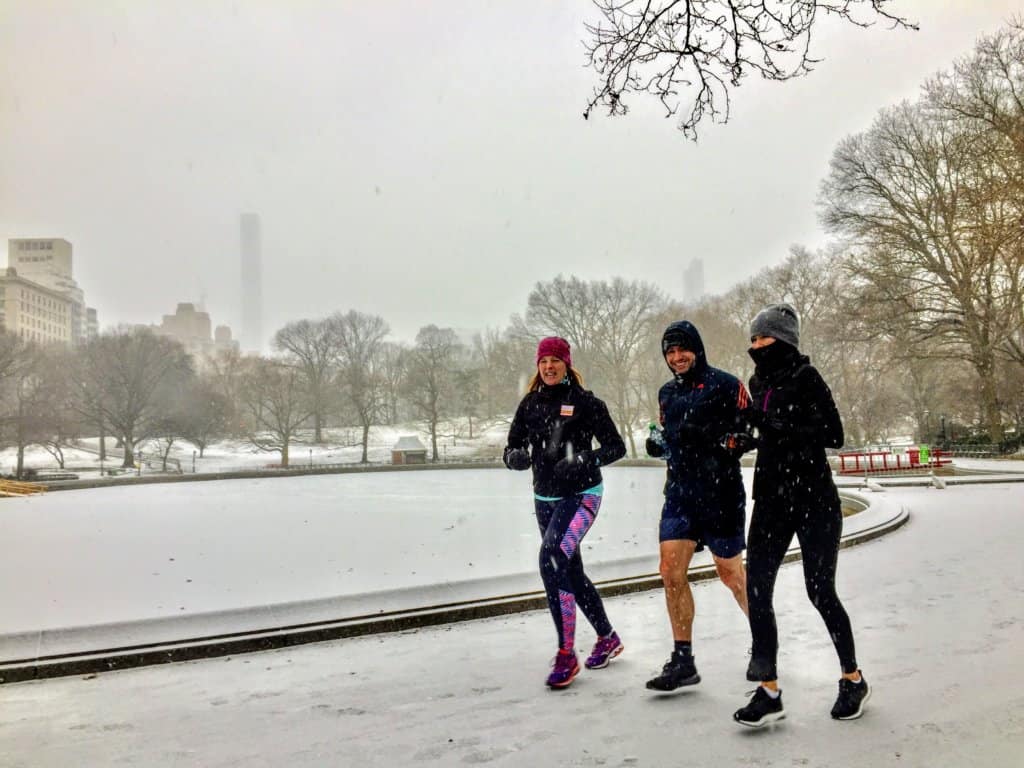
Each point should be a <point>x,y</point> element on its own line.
<point>32,311</point>
<point>39,280</point>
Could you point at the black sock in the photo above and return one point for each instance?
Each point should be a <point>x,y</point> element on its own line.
<point>684,647</point>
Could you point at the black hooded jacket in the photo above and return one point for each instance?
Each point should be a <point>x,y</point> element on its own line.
<point>562,422</point>
<point>698,409</point>
<point>796,417</point>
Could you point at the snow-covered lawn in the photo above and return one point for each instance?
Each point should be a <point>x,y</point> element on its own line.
<point>340,446</point>
<point>935,606</point>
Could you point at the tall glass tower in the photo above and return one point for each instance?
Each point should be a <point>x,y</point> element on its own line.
<point>252,284</point>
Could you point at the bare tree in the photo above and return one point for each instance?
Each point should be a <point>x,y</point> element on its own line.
<point>128,377</point>
<point>28,397</point>
<point>225,371</point>
<point>313,346</point>
<point>391,367</point>
<point>429,383</point>
<point>359,362</point>
<point>928,205</point>
<point>502,363</point>
<point>61,422</point>
<point>690,54</point>
<point>276,405</point>
<point>205,414</point>
<point>986,91</point>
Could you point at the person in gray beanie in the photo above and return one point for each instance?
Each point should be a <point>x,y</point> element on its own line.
<point>777,321</point>
<point>794,419</point>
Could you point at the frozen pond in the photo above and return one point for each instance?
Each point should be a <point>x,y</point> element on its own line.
<point>119,554</point>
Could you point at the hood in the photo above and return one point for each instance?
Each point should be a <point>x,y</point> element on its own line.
<point>686,332</point>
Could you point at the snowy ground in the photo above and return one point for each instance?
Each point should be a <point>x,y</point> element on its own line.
<point>340,446</point>
<point>936,607</point>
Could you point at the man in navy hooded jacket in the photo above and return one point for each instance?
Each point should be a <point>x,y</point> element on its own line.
<point>705,504</point>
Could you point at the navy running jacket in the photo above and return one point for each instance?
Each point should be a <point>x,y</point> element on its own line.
<point>698,410</point>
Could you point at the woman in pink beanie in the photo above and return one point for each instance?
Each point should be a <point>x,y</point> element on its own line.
<point>552,433</point>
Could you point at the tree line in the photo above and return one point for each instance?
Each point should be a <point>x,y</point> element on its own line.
<point>914,313</point>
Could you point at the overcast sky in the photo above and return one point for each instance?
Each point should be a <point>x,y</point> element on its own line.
<point>424,161</point>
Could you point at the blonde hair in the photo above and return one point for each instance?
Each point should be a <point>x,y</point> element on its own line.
<point>574,376</point>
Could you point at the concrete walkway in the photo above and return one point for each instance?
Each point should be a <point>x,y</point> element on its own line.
<point>935,609</point>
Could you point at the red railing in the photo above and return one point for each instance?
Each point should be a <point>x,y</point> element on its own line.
<point>874,462</point>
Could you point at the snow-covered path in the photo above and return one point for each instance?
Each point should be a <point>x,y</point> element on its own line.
<point>936,607</point>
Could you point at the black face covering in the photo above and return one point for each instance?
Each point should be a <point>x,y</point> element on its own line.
<point>772,358</point>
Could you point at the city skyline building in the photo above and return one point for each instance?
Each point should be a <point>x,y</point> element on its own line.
<point>38,269</point>
<point>190,325</point>
<point>251,335</point>
<point>693,282</point>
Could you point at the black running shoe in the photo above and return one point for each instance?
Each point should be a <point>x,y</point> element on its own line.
<point>761,710</point>
<point>679,671</point>
<point>852,698</point>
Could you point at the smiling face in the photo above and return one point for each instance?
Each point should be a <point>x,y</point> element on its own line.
<point>679,360</point>
<point>552,370</point>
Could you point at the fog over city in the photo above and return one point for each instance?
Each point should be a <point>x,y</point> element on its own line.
<point>426,162</point>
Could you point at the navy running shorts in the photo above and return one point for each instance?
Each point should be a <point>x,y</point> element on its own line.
<point>723,537</point>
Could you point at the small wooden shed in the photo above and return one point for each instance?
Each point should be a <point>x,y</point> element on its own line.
<point>409,450</point>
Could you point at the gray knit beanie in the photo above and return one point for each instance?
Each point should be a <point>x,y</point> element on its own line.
<point>779,321</point>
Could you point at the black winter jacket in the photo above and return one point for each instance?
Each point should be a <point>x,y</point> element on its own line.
<point>698,409</point>
<point>796,417</point>
<point>559,422</point>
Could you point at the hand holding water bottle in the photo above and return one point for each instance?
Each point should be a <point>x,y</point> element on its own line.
<point>655,443</point>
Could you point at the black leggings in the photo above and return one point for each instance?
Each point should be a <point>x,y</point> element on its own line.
<point>818,531</point>
<point>563,524</point>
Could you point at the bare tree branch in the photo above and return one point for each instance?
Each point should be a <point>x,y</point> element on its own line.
<point>689,54</point>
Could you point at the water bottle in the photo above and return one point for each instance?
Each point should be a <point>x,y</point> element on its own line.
<point>658,437</point>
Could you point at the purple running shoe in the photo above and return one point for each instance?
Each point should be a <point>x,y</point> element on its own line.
<point>566,667</point>
<point>605,649</point>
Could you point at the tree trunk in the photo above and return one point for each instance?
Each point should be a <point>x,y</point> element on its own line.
<point>366,439</point>
<point>628,434</point>
<point>284,453</point>
<point>129,453</point>
<point>990,405</point>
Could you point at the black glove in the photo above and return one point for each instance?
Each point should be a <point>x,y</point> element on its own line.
<point>654,448</point>
<point>738,443</point>
<point>517,458</point>
<point>569,469</point>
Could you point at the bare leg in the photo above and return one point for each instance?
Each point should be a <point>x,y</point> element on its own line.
<point>675,561</point>
<point>734,576</point>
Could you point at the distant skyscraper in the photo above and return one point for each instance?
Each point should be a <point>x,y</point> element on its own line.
<point>252,284</point>
<point>693,282</point>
